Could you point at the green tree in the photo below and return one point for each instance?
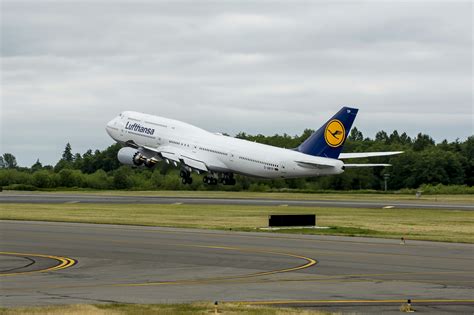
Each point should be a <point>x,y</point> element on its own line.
<point>37,166</point>
<point>467,150</point>
<point>67,154</point>
<point>98,180</point>
<point>394,137</point>
<point>423,163</point>
<point>382,136</point>
<point>121,178</point>
<point>62,164</point>
<point>77,164</point>
<point>13,176</point>
<point>356,135</point>
<point>9,160</point>
<point>405,139</point>
<point>42,179</point>
<point>87,166</point>
<point>422,142</point>
<point>70,178</point>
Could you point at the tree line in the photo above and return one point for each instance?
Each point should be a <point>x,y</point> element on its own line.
<point>424,164</point>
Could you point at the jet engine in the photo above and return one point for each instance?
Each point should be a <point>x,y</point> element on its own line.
<point>134,157</point>
<point>130,156</point>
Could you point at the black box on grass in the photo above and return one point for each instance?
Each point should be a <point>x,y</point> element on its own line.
<point>291,220</point>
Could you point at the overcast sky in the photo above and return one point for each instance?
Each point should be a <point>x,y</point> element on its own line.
<point>265,67</point>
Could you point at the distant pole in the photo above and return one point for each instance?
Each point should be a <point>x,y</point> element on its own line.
<point>386,176</point>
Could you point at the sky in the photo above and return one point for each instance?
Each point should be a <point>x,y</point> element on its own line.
<point>68,67</point>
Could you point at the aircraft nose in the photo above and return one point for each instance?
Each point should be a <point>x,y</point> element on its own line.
<point>111,123</point>
<point>110,127</point>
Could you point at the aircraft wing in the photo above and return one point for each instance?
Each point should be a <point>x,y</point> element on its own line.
<point>366,154</point>
<point>179,156</point>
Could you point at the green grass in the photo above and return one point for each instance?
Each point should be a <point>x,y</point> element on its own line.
<point>375,196</point>
<point>158,309</point>
<point>437,225</point>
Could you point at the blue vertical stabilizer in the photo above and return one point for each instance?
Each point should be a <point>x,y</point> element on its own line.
<point>328,140</point>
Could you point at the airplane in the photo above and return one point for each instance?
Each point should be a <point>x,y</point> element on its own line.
<point>149,139</point>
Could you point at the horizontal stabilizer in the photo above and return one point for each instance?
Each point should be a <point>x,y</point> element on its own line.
<point>357,155</point>
<point>365,165</point>
<point>307,164</point>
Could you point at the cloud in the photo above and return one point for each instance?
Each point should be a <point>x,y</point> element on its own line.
<point>68,67</point>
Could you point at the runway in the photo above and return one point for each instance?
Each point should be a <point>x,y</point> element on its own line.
<point>19,197</point>
<point>44,263</point>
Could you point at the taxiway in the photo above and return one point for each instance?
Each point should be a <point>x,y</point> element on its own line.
<point>91,263</point>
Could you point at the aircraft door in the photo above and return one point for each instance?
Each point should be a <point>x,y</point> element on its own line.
<point>122,124</point>
<point>282,168</point>
<point>232,156</point>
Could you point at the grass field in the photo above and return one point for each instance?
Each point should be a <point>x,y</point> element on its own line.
<point>277,195</point>
<point>158,309</point>
<point>437,225</point>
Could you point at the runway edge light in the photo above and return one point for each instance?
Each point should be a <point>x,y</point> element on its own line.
<point>406,307</point>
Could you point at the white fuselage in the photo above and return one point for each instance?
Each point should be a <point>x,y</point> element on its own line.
<point>220,153</point>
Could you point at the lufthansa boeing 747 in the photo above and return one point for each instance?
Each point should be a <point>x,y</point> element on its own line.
<point>150,139</point>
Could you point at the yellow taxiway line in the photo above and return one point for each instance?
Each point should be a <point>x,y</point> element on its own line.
<point>64,262</point>
<point>309,262</point>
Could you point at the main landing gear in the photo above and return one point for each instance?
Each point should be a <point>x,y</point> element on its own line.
<point>226,179</point>
<point>185,177</point>
<point>209,180</point>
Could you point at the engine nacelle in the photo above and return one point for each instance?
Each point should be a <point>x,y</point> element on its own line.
<point>130,156</point>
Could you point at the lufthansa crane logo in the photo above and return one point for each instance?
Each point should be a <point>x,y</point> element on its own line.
<point>334,133</point>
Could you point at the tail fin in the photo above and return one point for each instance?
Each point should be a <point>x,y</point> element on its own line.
<point>328,140</point>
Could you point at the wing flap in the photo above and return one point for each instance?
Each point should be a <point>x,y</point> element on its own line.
<point>177,156</point>
<point>193,163</point>
<point>170,156</point>
<point>357,155</point>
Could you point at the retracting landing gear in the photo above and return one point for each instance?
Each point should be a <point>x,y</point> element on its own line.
<point>185,177</point>
<point>225,179</point>
<point>228,179</point>
<point>209,180</point>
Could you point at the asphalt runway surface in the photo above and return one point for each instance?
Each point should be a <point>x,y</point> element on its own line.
<point>18,197</point>
<point>44,263</point>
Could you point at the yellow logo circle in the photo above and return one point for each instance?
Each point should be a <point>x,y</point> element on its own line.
<point>335,134</point>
